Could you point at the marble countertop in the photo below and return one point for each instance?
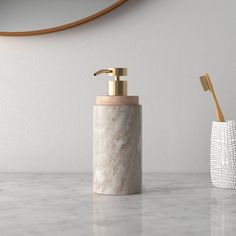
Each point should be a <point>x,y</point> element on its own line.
<point>63,204</point>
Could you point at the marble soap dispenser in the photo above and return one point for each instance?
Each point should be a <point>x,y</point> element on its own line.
<point>117,139</point>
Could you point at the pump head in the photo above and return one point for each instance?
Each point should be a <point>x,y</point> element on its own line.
<point>115,87</point>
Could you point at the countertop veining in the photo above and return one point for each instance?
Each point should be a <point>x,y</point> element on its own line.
<point>63,204</point>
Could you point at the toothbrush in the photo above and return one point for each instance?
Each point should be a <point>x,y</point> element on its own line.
<point>207,86</point>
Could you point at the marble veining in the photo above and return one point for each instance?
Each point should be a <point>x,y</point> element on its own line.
<point>117,149</point>
<point>63,204</point>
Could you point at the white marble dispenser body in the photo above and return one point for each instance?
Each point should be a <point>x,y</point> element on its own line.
<point>117,145</point>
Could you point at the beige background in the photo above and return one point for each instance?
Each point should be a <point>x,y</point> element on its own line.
<point>47,88</point>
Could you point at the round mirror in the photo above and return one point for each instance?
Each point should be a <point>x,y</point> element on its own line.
<point>31,17</point>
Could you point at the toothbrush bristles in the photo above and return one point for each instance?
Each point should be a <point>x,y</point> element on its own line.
<point>204,82</point>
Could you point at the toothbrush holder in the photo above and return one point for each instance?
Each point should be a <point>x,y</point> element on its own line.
<point>223,154</point>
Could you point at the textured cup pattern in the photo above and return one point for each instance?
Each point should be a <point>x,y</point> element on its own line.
<point>223,154</point>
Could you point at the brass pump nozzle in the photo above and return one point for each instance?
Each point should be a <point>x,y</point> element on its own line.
<point>103,71</point>
<point>115,87</point>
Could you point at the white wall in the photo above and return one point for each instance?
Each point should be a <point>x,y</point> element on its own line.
<point>47,89</point>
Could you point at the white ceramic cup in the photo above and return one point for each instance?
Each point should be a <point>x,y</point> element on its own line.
<point>223,154</point>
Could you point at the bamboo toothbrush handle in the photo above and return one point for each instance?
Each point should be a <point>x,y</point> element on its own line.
<point>219,113</point>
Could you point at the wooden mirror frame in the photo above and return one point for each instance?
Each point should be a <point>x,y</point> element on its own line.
<point>66,26</point>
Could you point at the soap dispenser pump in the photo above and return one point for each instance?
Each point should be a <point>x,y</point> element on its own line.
<point>115,87</point>
<point>117,138</point>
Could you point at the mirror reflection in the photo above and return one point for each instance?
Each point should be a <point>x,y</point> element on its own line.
<point>31,15</point>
